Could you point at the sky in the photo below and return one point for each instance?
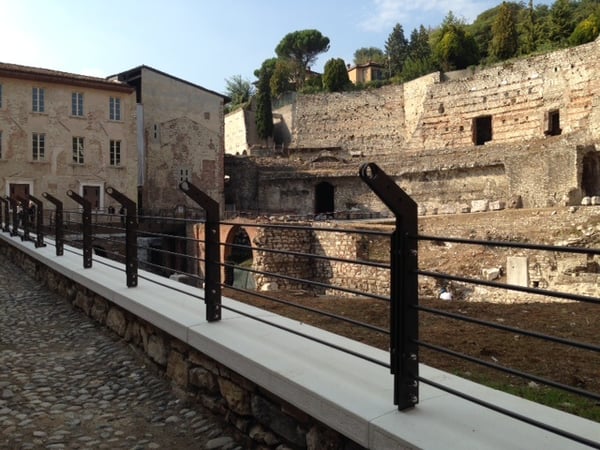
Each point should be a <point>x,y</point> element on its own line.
<point>203,42</point>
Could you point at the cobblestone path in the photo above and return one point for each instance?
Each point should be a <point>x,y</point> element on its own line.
<point>68,383</point>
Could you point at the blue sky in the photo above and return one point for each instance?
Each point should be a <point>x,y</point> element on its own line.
<point>197,40</point>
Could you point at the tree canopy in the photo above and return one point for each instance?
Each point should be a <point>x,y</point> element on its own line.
<point>264,112</point>
<point>396,50</point>
<point>302,48</point>
<point>335,77</point>
<point>504,43</point>
<point>239,90</point>
<point>365,55</point>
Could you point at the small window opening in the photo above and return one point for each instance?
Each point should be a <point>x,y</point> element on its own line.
<point>482,130</point>
<point>553,123</point>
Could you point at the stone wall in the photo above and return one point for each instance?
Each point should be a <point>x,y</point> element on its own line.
<point>263,420</point>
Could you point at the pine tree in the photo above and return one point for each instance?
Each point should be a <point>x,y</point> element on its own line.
<point>504,42</point>
<point>264,113</point>
<point>396,50</point>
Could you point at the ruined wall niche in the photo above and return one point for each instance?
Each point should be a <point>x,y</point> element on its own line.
<point>590,174</point>
<point>482,129</point>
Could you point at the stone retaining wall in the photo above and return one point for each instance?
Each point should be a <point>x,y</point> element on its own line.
<point>266,421</point>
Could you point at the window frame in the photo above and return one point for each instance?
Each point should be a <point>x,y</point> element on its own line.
<point>38,146</point>
<point>77,104</point>
<point>114,108</point>
<point>78,155</point>
<point>115,153</point>
<point>37,99</point>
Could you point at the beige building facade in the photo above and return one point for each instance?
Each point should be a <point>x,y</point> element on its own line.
<point>180,138</point>
<point>61,131</point>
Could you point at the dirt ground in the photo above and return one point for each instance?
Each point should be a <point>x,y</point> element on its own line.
<point>571,320</point>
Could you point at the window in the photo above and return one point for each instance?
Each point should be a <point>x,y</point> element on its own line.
<point>155,128</point>
<point>114,108</point>
<point>78,150</point>
<point>93,195</point>
<point>77,104</point>
<point>38,146</point>
<point>38,99</point>
<point>115,153</point>
<point>184,175</point>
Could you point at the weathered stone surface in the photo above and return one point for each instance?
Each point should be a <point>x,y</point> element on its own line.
<point>115,320</point>
<point>202,378</point>
<point>99,309</point>
<point>157,349</point>
<point>479,205</point>
<point>491,273</point>
<point>596,200</point>
<point>237,398</point>
<point>177,368</point>
<point>271,416</point>
<point>497,205</point>
<point>319,438</point>
<point>84,302</point>
<point>586,201</point>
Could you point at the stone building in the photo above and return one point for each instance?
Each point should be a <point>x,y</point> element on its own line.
<point>365,73</point>
<point>61,131</point>
<point>523,132</point>
<point>180,137</point>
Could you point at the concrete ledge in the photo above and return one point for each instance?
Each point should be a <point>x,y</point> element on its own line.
<point>351,395</point>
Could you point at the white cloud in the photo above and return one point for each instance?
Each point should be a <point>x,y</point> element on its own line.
<point>410,14</point>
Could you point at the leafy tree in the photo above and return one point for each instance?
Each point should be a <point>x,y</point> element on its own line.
<point>454,47</point>
<point>239,90</point>
<point>561,21</point>
<point>504,42</point>
<point>396,50</point>
<point>264,113</point>
<point>585,31</point>
<point>365,55</point>
<point>417,67</point>
<point>281,77</point>
<point>335,76</point>
<point>302,47</point>
<point>528,30</point>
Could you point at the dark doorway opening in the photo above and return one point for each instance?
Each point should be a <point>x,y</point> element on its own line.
<point>19,190</point>
<point>324,198</point>
<point>92,195</point>
<point>553,123</point>
<point>238,256</point>
<point>482,130</point>
<point>590,177</point>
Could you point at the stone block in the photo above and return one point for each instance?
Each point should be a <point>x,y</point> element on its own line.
<point>177,369</point>
<point>84,302</point>
<point>596,200</point>
<point>237,398</point>
<point>447,209</point>
<point>497,205</point>
<point>586,201</point>
<point>479,205</point>
<point>517,270</point>
<point>490,274</point>
<point>464,208</point>
<point>202,378</point>
<point>115,320</point>
<point>99,310</point>
<point>271,416</point>
<point>156,349</point>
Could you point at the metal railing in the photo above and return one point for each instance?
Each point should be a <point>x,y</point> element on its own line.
<point>196,253</point>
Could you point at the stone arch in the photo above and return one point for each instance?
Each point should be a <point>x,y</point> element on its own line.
<point>590,174</point>
<point>324,198</point>
<point>237,235</point>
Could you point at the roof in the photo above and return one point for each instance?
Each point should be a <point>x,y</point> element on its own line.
<point>136,72</point>
<point>55,76</point>
<point>365,65</point>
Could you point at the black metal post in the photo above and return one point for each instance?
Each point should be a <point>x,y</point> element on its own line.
<point>59,232</point>
<point>15,217</point>
<point>404,317</point>
<point>4,214</point>
<point>212,261</point>
<point>86,222</point>
<point>39,221</point>
<point>131,228</point>
<point>24,217</point>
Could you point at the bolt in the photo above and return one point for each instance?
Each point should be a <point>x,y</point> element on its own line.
<point>413,356</point>
<point>414,399</point>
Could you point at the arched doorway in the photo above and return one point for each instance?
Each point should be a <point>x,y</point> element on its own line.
<point>238,256</point>
<point>324,198</point>
<point>590,176</point>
